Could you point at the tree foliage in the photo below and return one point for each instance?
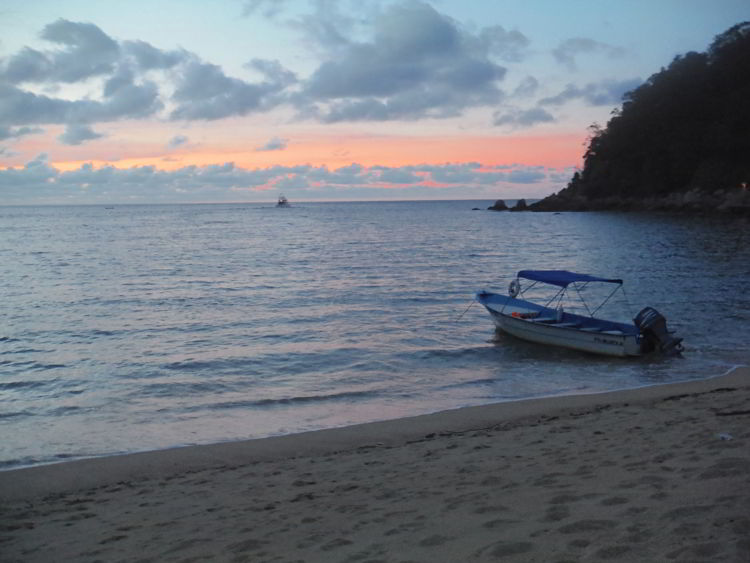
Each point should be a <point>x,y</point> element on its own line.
<point>687,128</point>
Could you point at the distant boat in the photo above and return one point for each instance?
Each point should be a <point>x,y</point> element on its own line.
<point>553,326</point>
<point>283,201</point>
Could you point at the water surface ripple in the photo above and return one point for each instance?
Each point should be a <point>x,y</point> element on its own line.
<point>143,327</point>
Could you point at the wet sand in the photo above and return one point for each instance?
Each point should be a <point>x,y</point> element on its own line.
<point>653,474</point>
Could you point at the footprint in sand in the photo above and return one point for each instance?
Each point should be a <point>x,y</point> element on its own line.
<point>435,540</point>
<point>335,544</point>
<point>699,550</point>
<point>556,513</point>
<point>612,552</point>
<point>729,467</point>
<point>503,549</point>
<point>587,526</point>
<point>613,501</point>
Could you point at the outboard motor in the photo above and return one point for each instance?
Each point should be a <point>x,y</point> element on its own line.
<point>653,328</point>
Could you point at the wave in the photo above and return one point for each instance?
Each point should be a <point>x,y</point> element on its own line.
<point>33,366</point>
<point>21,351</point>
<point>17,414</point>
<point>31,461</point>
<point>212,365</point>
<point>13,385</point>
<point>484,381</point>
<point>336,307</point>
<point>179,389</point>
<point>448,353</point>
<point>17,463</point>
<point>282,401</point>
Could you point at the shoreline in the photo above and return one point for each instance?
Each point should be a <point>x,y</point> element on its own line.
<point>69,476</point>
<point>655,473</point>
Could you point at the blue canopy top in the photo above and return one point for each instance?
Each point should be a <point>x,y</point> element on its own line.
<point>561,278</point>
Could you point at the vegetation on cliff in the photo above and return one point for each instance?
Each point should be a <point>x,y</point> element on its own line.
<point>681,140</point>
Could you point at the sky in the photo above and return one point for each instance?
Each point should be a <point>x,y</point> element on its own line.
<point>133,101</point>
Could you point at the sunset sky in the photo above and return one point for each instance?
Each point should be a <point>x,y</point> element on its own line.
<point>240,100</point>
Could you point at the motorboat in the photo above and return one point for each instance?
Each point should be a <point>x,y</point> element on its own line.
<point>283,201</point>
<point>552,325</point>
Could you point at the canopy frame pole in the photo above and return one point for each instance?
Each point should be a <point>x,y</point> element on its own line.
<point>607,299</point>
<point>533,283</point>
<point>558,296</point>
<point>627,301</point>
<point>586,305</point>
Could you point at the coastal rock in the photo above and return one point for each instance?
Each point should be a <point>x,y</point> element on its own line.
<point>499,205</point>
<point>736,201</point>
<point>520,206</point>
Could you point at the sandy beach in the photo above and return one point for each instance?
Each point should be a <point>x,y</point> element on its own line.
<point>653,474</point>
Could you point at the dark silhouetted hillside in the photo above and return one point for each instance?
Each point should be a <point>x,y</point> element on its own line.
<point>680,141</point>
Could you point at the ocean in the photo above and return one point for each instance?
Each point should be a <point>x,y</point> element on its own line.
<point>138,327</point>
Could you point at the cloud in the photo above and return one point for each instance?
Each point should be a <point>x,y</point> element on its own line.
<point>527,176</point>
<point>83,52</point>
<point>19,107</point>
<point>274,144</point>
<point>36,176</point>
<point>28,65</point>
<point>471,173</point>
<point>128,100</point>
<point>267,8</point>
<point>18,132</point>
<point>177,141</point>
<point>415,63</point>
<point>562,175</point>
<point>606,92</point>
<point>351,175</point>
<point>517,118</point>
<point>205,92</point>
<point>568,50</point>
<point>5,152</point>
<point>419,64</point>
<point>148,57</point>
<point>526,88</point>
<point>398,176</point>
<point>88,51</point>
<point>507,45</point>
<point>323,29</point>
<point>476,174</point>
<point>39,182</point>
<point>273,71</point>
<point>77,134</point>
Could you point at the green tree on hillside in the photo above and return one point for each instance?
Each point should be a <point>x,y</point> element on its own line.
<point>687,128</point>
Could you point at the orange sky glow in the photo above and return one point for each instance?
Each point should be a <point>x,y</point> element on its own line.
<point>555,151</point>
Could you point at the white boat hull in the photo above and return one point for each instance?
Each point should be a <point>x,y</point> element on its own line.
<point>538,324</point>
<point>605,343</point>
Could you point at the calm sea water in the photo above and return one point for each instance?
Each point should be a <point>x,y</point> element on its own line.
<point>144,327</point>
